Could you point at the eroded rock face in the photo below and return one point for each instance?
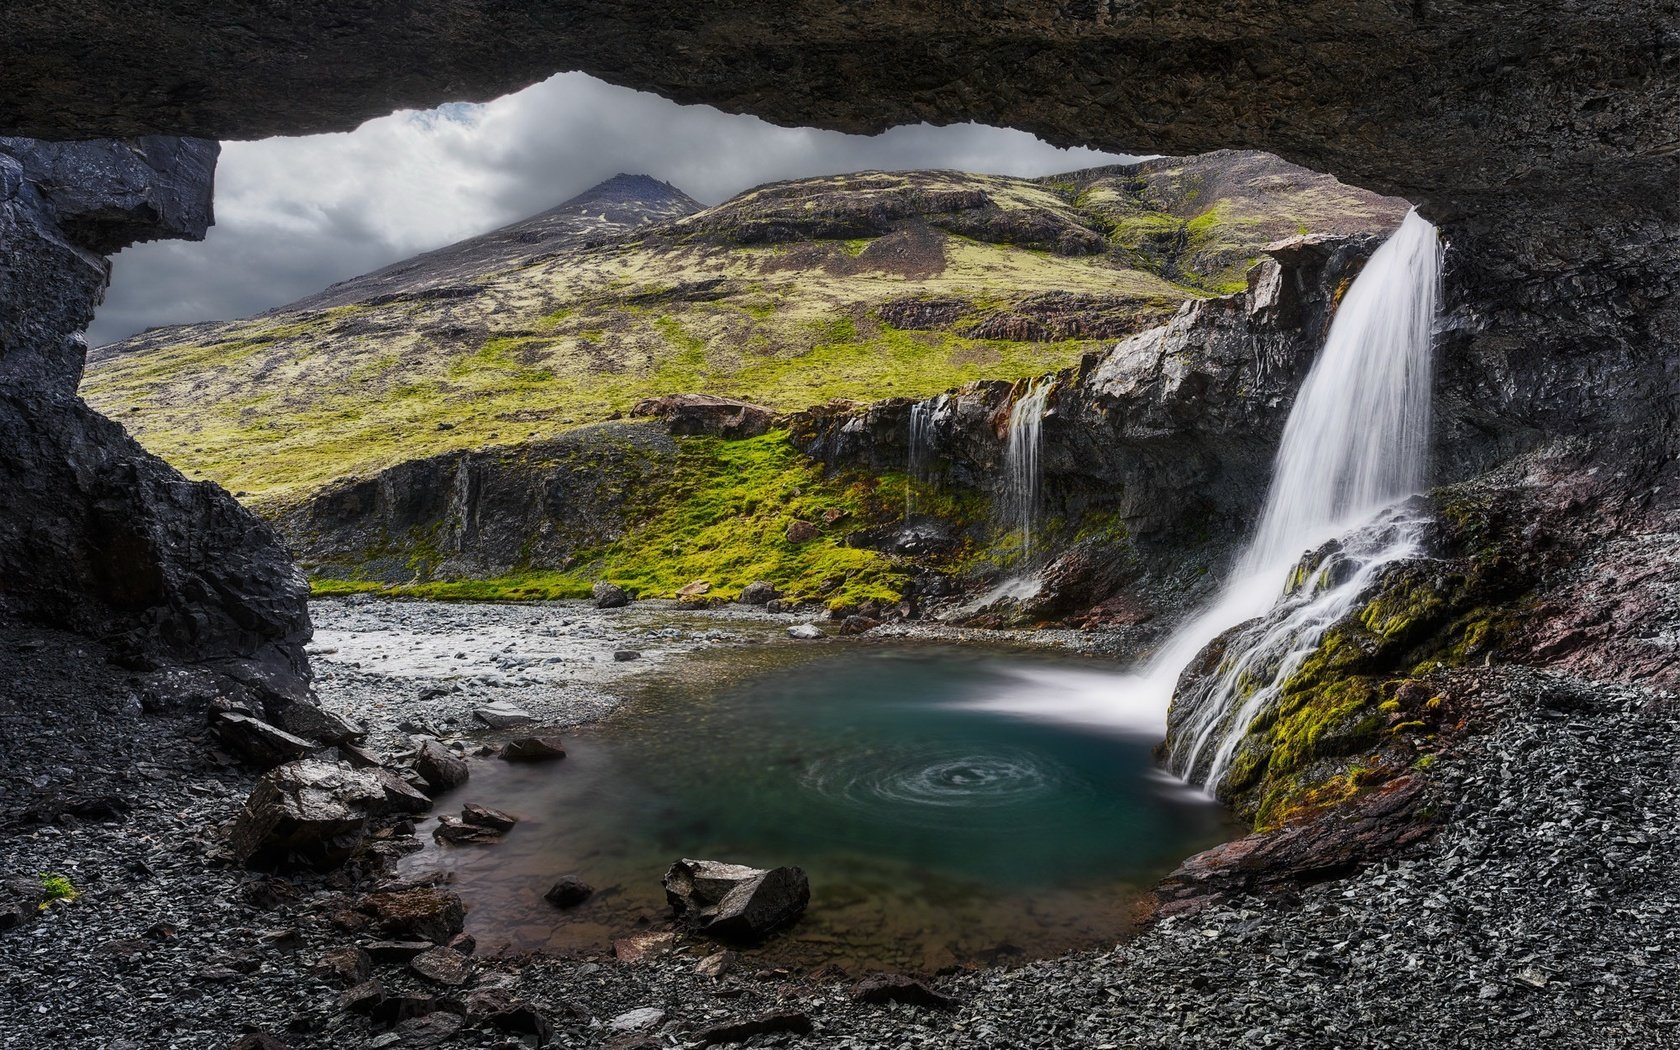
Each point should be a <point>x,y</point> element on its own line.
<point>97,535</point>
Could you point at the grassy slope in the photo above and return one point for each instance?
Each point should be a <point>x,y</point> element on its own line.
<point>277,406</point>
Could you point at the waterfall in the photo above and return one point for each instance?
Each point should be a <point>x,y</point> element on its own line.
<point>1022,472</point>
<point>1354,444</point>
<point>919,466</point>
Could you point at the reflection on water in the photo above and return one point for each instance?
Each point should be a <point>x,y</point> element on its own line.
<point>937,825</point>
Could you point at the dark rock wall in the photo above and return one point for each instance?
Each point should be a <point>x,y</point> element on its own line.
<point>97,535</point>
<point>1544,137</point>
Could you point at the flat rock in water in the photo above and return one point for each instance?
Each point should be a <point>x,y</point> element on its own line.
<point>457,832</point>
<point>503,715</point>
<point>534,749</point>
<point>806,632</point>
<point>485,817</point>
<point>626,655</point>
<point>735,902</point>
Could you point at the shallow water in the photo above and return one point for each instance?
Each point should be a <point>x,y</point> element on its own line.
<point>938,825</point>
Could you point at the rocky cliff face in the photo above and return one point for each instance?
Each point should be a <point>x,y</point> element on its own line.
<point>97,535</point>
<point>1156,454</point>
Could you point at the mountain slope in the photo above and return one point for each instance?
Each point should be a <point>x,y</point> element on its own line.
<point>855,286</point>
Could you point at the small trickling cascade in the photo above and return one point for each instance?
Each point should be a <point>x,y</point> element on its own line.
<point>919,470</point>
<point>1355,443</point>
<point>1022,471</point>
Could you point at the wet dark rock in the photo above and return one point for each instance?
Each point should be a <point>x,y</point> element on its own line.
<point>568,891</point>
<point>457,832</point>
<point>20,901</point>
<point>256,741</point>
<point>718,964</point>
<point>396,951</point>
<point>898,988</point>
<point>1360,832</point>
<point>504,1012</point>
<point>440,768</point>
<point>442,965</point>
<point>362,998</point>
<point>609,596</point>
<point>759,592</point>
<point>348,965</point>
<point>485,817</point>
<point>400,795</point>
<point>434,1029</point>
<point>534,749</point>
<point>706,414</point>
<point>423,913</point>
<point>735,902</point>
<point>626,655</point>
<point>858,624</point>
<point>783,1021</point>
<point>311,813</point>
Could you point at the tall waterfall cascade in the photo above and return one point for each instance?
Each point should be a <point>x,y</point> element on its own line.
<point>1021,452</point>
<point>1355,443</point>
<point>1354,447</point>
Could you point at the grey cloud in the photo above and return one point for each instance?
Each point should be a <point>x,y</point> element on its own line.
<point>294,215</point>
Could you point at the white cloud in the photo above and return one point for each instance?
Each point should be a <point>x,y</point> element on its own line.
<point>296,214</point>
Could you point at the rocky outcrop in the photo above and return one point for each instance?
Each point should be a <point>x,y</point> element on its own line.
<point>692,415</point>
<point>480,513</point>
<point>97,535</point>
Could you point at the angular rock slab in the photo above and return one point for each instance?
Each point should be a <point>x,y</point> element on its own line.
<point>734,902</point>
<point>311,813</point>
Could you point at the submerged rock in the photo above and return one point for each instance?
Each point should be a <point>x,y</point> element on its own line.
<point>568,891</point>
<point>735,902</point>
<point>533,749</point>
<point>457,832</point>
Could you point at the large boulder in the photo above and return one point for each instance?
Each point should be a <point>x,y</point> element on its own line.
<point>419,913</point>
<point>309,813</point>
<point>609,595</point>
<point>257,742</point>
<point>734,902</point>
<point>439,767</point>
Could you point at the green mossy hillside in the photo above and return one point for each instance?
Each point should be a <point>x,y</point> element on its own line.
<point>721,514</point>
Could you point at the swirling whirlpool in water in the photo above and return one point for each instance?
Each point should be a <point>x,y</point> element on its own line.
<point>923,786</point>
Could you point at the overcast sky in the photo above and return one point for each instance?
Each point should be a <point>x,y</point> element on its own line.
<point>293,215</point>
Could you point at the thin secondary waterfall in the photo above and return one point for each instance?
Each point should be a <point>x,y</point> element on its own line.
<point>1021,451</point>
<point>919,466</point>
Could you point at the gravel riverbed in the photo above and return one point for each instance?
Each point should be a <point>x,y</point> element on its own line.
<point>1544,914</point>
